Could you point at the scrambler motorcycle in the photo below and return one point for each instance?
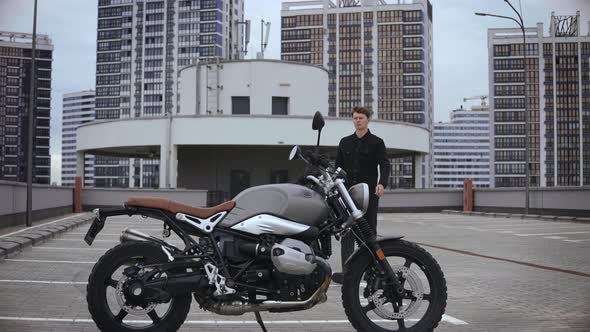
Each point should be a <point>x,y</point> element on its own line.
<point>265,250</point>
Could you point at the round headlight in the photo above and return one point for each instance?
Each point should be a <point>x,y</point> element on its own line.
<point>360,196</point>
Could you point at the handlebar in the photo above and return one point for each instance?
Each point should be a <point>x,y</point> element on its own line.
<point>323,165</point>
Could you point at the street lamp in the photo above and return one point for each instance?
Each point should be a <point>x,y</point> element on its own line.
<point>526,112</point>
<point>30,135</point>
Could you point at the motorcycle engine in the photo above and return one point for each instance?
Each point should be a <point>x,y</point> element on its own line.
<point>296,274</point>
<point>293,257</point>
<point>290,266</point>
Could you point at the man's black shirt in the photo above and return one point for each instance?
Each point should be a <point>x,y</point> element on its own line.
<point>359,157</point>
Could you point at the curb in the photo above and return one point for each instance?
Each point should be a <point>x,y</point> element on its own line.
<point>519,216</point>
<point>12,245</point>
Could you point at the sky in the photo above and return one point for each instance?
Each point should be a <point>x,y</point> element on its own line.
<point>459,51</point>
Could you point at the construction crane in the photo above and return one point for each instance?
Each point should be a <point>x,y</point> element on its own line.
<point>483,99</point>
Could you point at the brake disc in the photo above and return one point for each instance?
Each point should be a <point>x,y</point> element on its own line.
<point>123,303</point>
<point>380,301</point>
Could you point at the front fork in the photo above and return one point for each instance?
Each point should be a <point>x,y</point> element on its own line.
<point>370,239</point>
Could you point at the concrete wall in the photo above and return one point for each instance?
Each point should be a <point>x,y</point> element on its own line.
<point>572,201</point>
<point>421,200</point>
<point>547,201</point>
<point>48,201</point>
<point>101,197</point>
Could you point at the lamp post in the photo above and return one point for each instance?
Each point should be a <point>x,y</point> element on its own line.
<point>526,112</point>
<point>30,124</point>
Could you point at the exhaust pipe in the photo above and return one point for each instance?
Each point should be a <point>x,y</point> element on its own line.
<point>129,234</point>
<point>237,308</point>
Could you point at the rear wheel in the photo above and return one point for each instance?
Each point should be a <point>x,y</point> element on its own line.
<point>115,301</point>
<point>372,306</point>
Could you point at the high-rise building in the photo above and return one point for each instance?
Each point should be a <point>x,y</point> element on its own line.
<point>15,87</point>
<point>558,104</point>
<point>461,149</point>
<point>78,108</point>
<point>141,45</point>
<point>378,54</point>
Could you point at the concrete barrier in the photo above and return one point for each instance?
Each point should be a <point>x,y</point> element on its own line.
<point>563,201</point>
<point>421,200</point>
<point>48,201</point>
<point>107,197</point>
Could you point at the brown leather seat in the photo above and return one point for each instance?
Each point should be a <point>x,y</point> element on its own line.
<point>175,207</point>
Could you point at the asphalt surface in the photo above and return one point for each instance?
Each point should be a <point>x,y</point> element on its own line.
<point>502,274</point>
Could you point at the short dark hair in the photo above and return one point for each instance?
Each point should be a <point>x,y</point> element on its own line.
<point>362,110</point>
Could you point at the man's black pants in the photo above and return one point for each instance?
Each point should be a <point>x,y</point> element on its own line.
<point>347,242</point>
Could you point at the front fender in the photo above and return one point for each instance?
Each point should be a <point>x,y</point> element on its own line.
<point>364,249</point>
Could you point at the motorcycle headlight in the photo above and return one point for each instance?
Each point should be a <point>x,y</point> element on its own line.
<point>360,196</point>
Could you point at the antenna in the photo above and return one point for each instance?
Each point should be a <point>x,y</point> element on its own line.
<point>245,39</point>
<point>266,36</point>
<point>248,23</point>
<point>263,37</point>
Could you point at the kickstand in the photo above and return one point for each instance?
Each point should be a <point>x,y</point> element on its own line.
<point>259,320</point>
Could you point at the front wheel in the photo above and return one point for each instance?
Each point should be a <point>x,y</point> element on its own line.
<point>372,306</point>
<point>114,300</point>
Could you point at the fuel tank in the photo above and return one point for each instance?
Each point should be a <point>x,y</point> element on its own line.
<point>289,201</point>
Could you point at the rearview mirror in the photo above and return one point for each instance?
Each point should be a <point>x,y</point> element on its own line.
<point>294,153</point>
<point>318,121</point>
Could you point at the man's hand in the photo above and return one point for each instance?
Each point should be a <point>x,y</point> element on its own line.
<point>379,190</point>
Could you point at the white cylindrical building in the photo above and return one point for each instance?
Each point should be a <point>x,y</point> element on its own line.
<point>235,126</point>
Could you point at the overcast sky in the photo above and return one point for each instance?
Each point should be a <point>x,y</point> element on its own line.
<point>460,44</point>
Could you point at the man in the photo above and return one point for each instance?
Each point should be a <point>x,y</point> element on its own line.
<point>359,155</point>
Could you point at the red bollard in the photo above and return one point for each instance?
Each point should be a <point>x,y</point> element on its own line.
<point>467,195</point>
<point>78,194</point>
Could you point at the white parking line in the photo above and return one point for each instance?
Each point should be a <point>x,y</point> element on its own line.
<point>581,240</point>
<point>41,225</point>
<point>445,318</point>
<point>539,227</point>
<point>44,282</point>
<point>45,261</point>
<point>543,234</point>
<point>69,249</point>
<point>555,237</point>
<point>82,240</point>
<point>453,320</point>
<point>78,233</point>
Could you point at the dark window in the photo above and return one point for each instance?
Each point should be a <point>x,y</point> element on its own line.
<point>280,105</point>
<point>239,181</point>
<point>240,105</point>
<point>279,176</point>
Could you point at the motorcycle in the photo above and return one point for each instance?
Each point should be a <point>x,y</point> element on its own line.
<point>265,250</point>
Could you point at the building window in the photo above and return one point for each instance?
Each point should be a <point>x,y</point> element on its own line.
<point>240,105</point>
<point>280,105</point>
<point>279,176</point>
<point>239,181</point>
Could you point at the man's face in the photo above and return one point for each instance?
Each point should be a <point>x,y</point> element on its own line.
<point>361,122</point>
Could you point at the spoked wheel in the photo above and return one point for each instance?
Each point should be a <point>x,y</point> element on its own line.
<point>115,299</point>
<point>372,306</point>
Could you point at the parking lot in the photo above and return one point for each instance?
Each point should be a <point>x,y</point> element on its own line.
<point>503,274</point>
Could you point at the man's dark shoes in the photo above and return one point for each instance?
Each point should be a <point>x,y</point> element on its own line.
<point>338,277</point>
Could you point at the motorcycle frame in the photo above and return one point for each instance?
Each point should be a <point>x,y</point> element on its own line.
<point>184,233</point>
